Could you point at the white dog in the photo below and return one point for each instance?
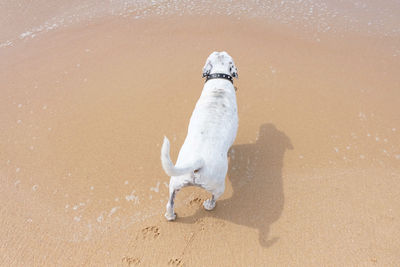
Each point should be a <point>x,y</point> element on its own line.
<point>203,158</point>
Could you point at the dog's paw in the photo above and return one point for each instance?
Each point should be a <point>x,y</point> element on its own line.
<point>209,204</point>
<point>170,216</point>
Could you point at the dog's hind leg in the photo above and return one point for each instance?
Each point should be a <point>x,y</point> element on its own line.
<point>170,214</point>
<point>174,188</point>
<point>209,204</point>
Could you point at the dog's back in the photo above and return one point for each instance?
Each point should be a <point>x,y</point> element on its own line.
<point>214,121</point>
<point>212,130</point>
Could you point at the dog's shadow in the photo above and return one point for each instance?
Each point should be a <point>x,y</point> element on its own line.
<point>255,173</point>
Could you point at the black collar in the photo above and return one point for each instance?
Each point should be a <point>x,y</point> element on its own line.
<point>219,76</point>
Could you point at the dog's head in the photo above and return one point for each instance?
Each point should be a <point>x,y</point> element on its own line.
<point>220,62</point>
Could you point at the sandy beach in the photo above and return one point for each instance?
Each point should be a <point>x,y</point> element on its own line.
<point>86,98</point>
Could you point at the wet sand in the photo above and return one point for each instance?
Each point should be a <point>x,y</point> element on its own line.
<point>313,175</point>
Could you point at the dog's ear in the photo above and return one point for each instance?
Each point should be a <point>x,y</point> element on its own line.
<point>233,70</point>
<point>207,68</point>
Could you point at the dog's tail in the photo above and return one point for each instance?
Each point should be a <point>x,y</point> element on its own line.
<point>170,168</point>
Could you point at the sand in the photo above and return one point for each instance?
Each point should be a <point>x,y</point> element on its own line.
<point>313,174</point>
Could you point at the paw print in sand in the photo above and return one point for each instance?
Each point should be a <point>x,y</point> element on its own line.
<point>196,201</point>
<point>175,262</point>
<point>151,232</point>
<point>130,261</point>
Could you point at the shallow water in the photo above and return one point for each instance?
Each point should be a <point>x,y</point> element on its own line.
<point>22,20</point>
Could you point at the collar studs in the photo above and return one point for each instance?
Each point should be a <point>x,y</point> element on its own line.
<point>219,76</point>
